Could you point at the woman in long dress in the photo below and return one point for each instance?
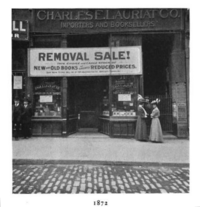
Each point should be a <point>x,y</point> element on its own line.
<point>156,134</point>
<point>141,128</point>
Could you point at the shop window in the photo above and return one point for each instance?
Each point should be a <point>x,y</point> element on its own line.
<point>124,96</point>
<point>47,97</point>
<point>125,40</point>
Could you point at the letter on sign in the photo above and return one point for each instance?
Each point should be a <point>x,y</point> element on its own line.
<point>20,30</point>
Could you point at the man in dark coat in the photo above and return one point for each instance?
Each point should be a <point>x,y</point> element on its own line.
<point>26,119</point>
<point>16,118</point>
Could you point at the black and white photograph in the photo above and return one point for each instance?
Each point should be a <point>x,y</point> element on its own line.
<point>100,97</point>
<point>100,104</point>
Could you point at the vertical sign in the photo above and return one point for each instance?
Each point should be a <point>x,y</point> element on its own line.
<point>182,112</point>
<point>17,82</point>
<point>20,30</point>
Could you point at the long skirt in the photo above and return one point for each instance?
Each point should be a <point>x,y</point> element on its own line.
<point>141,130</point>
<point>156,131</point>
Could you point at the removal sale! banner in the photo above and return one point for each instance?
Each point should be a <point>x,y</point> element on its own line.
<point>85,61</point>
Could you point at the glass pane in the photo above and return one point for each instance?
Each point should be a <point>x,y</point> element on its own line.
<point>47,97</point>
<point>124,96</point>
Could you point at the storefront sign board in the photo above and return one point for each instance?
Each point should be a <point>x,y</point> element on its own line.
<point>53,62</point>
<point>20,30</point>
<point>44,99</point>
<point>106,20</point>
<point>124,97</point>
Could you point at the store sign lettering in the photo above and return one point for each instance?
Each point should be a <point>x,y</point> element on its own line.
<point>111,24</point>
<point>59,20</point>
<point>85,61</point>
<point>20,30</point>
<point>47,86</point>
<point>99,14</point>
<point>120,55</point>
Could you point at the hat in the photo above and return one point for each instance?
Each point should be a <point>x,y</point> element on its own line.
<point>140,97</point>
<point>142,101</point>
<point>157,101</point>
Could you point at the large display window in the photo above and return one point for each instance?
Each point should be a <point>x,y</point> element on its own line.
<point>124,96</point>
<point>47,97</point>
<point>122,99</point>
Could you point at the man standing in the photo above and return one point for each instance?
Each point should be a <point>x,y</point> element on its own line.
<point>26,119</point>
<point>16,117</point>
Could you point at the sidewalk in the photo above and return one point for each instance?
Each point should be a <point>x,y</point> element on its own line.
<point>100,148</point>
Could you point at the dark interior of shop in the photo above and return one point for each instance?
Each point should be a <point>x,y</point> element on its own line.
<point>156,55</point>
<point>98,40</point>
<point>85,97</point>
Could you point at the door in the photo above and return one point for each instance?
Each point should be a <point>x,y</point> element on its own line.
<point>87,101</point>
<point>72,115</point>
<point>83,92</point>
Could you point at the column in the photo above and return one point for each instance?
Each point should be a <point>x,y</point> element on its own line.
<point>63,44</point>
<point>178,85</point>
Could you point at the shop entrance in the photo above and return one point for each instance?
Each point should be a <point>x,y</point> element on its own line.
<point>85,93</point>
<point>157,50</point>
<point>84,97</point>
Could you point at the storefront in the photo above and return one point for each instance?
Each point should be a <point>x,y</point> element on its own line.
<point>86,68</point>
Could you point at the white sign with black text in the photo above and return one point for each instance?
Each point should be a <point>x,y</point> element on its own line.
<point>85,61</point>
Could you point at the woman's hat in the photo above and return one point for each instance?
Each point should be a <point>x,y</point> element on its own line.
<point>142,101</point>
<point>157,101</point>
<point>140,97</point>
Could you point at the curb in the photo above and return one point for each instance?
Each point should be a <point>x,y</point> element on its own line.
<point>95,162</point>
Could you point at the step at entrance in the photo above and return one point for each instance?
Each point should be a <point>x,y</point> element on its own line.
<point>88,130</point>
<point>90,135</point>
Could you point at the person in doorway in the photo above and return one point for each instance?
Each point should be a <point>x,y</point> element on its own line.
<point>16,118</point>
<point>26,119</point>
<point>141,128</point>
<point>156,130</point>
<point>148,108</point>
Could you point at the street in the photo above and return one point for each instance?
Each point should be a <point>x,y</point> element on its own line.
<point>80,178</point>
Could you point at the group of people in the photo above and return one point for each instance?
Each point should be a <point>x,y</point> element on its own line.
<point>21,118</point>
<point>148,127</point>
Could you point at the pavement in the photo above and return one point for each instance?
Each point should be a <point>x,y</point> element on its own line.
<point>78,178</point>
<point>95,163</point>
<point>99,148</point>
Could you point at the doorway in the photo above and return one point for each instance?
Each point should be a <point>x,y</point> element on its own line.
<point>157,50</point>
<point>85,95</point>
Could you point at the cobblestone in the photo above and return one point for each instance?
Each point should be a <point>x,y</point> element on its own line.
<point>39,179</point>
